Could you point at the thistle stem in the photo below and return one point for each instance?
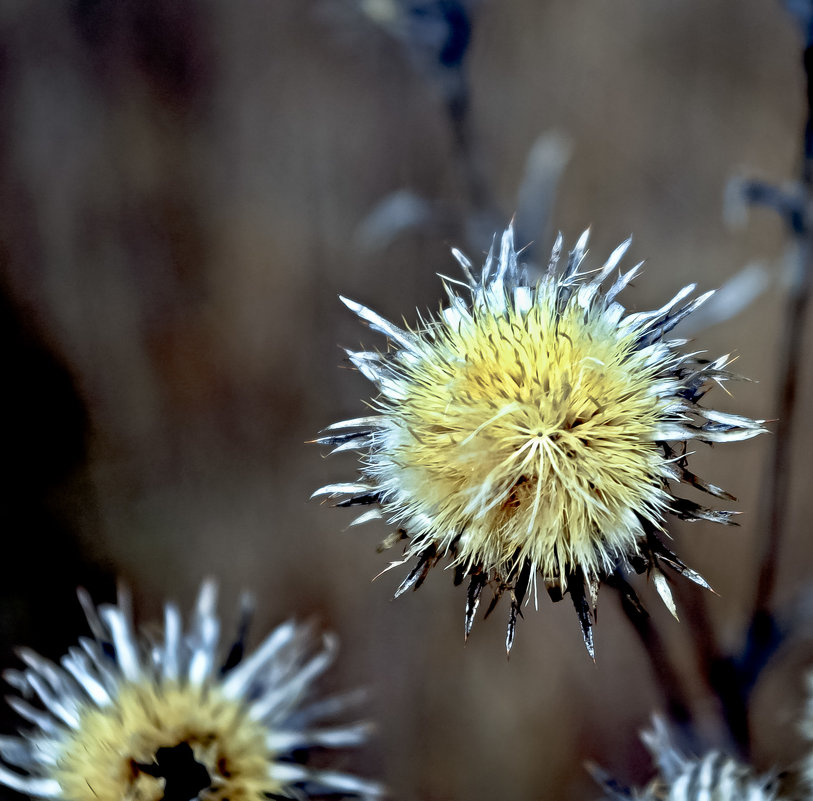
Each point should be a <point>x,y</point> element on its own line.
<point>720,671</point>
<point>762,634</point>
<point>666,677</point>
<point>778,479</point>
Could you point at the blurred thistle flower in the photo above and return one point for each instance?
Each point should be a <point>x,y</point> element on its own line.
<point>528,431</point>
<point>806,727</point>
<point>143,717</point>
<point>712,777</point>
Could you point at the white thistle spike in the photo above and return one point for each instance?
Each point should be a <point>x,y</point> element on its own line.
<point>379,324</point>
<point>372,514</point>
<point>341,489</point>
<point>662,586</point>
<point>356,422</point>
<point>614,260</point>
<point>465,265</point>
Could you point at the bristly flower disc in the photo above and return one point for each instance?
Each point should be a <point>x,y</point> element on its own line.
<point>533,431</point>
<point>129,717</point>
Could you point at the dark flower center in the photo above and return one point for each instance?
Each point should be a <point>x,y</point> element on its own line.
<point>185,776</point>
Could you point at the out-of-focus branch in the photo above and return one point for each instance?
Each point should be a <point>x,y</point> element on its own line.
<point>436,35</point>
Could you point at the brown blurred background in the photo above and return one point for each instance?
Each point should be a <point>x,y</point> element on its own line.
<point>184,191</point>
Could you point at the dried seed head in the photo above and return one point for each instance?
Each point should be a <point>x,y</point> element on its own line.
<point>527,431</point>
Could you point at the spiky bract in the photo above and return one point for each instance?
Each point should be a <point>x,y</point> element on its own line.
<point>129,717</point>
<point>528,429</point>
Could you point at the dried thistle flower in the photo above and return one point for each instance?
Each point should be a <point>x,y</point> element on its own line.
<point>712,777</point>
<point>533,430</point>
<point>130,717</point>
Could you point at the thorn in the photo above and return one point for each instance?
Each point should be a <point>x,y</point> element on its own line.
<point>582,607</point>
<point>478,581</point>
<point>512,625</point>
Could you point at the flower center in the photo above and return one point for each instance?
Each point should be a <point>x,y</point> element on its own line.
<point>167,742</point>
<point>184,777</point>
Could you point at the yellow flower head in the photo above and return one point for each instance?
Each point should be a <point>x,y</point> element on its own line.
<point>143,718</point>
<point>527,432</point>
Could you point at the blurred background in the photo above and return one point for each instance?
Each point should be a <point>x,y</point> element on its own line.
<point>186,187</point>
